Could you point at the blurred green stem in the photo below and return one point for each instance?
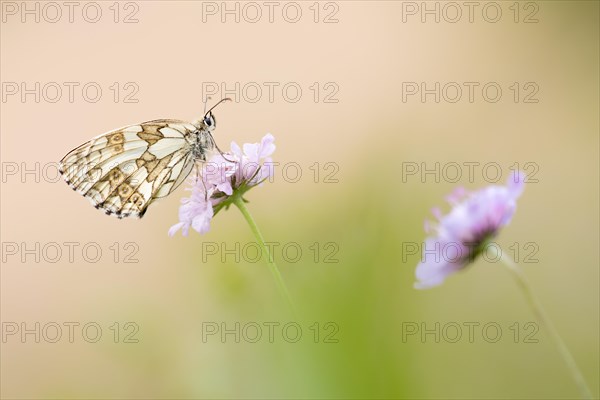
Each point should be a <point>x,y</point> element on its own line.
<point>239,202</point>
<point>539,312</point>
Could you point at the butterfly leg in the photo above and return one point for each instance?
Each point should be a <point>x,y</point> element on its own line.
<point>220,151</point>
<point>199,176</point>
<point>205,191</point>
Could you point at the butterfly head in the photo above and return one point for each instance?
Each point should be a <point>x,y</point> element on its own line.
<point>209,122</point>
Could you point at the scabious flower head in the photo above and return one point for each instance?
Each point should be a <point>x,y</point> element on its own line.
<point>222,178</point>
<point>459,237</point>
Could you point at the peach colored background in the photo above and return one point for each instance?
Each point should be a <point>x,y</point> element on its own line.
<point>169,53</point>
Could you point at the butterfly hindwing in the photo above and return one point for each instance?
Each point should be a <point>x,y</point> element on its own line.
<point>134,193</point>
<point>123,171</point>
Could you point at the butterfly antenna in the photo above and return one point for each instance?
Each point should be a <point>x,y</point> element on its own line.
<point>213,140</point>
<point>206,103</point>
<point>213,107</point>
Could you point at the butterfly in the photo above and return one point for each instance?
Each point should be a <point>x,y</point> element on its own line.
<point>123,171</point>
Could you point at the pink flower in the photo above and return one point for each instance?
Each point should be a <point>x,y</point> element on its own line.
<point>256,156</point>
<point>222,178</point>
<point>460,235</point>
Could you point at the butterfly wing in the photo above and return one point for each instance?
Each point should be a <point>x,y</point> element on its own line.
<point>123,171</point>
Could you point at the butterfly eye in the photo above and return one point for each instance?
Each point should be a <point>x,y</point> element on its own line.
<point>209,120</point>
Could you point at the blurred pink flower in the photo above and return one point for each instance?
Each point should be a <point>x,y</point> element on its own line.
<point>460,235</point>
<point>222,178</point>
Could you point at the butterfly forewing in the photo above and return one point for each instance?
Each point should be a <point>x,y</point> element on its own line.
<point>123,171</point>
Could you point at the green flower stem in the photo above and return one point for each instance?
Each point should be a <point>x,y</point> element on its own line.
<point>239,202</point>
<point>539,312</point>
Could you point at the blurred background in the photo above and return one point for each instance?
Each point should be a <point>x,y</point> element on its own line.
<point>124,311</point>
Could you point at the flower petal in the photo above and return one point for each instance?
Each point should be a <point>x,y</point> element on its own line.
<point>251,151</point>
<point>236,150</point>
<point>267,146</point>
<point>516,183</point>
<point>173,230</point>
<point>431,274</point>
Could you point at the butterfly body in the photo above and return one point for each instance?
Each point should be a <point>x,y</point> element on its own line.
<point>201,140</point>
<point>123,171</point>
